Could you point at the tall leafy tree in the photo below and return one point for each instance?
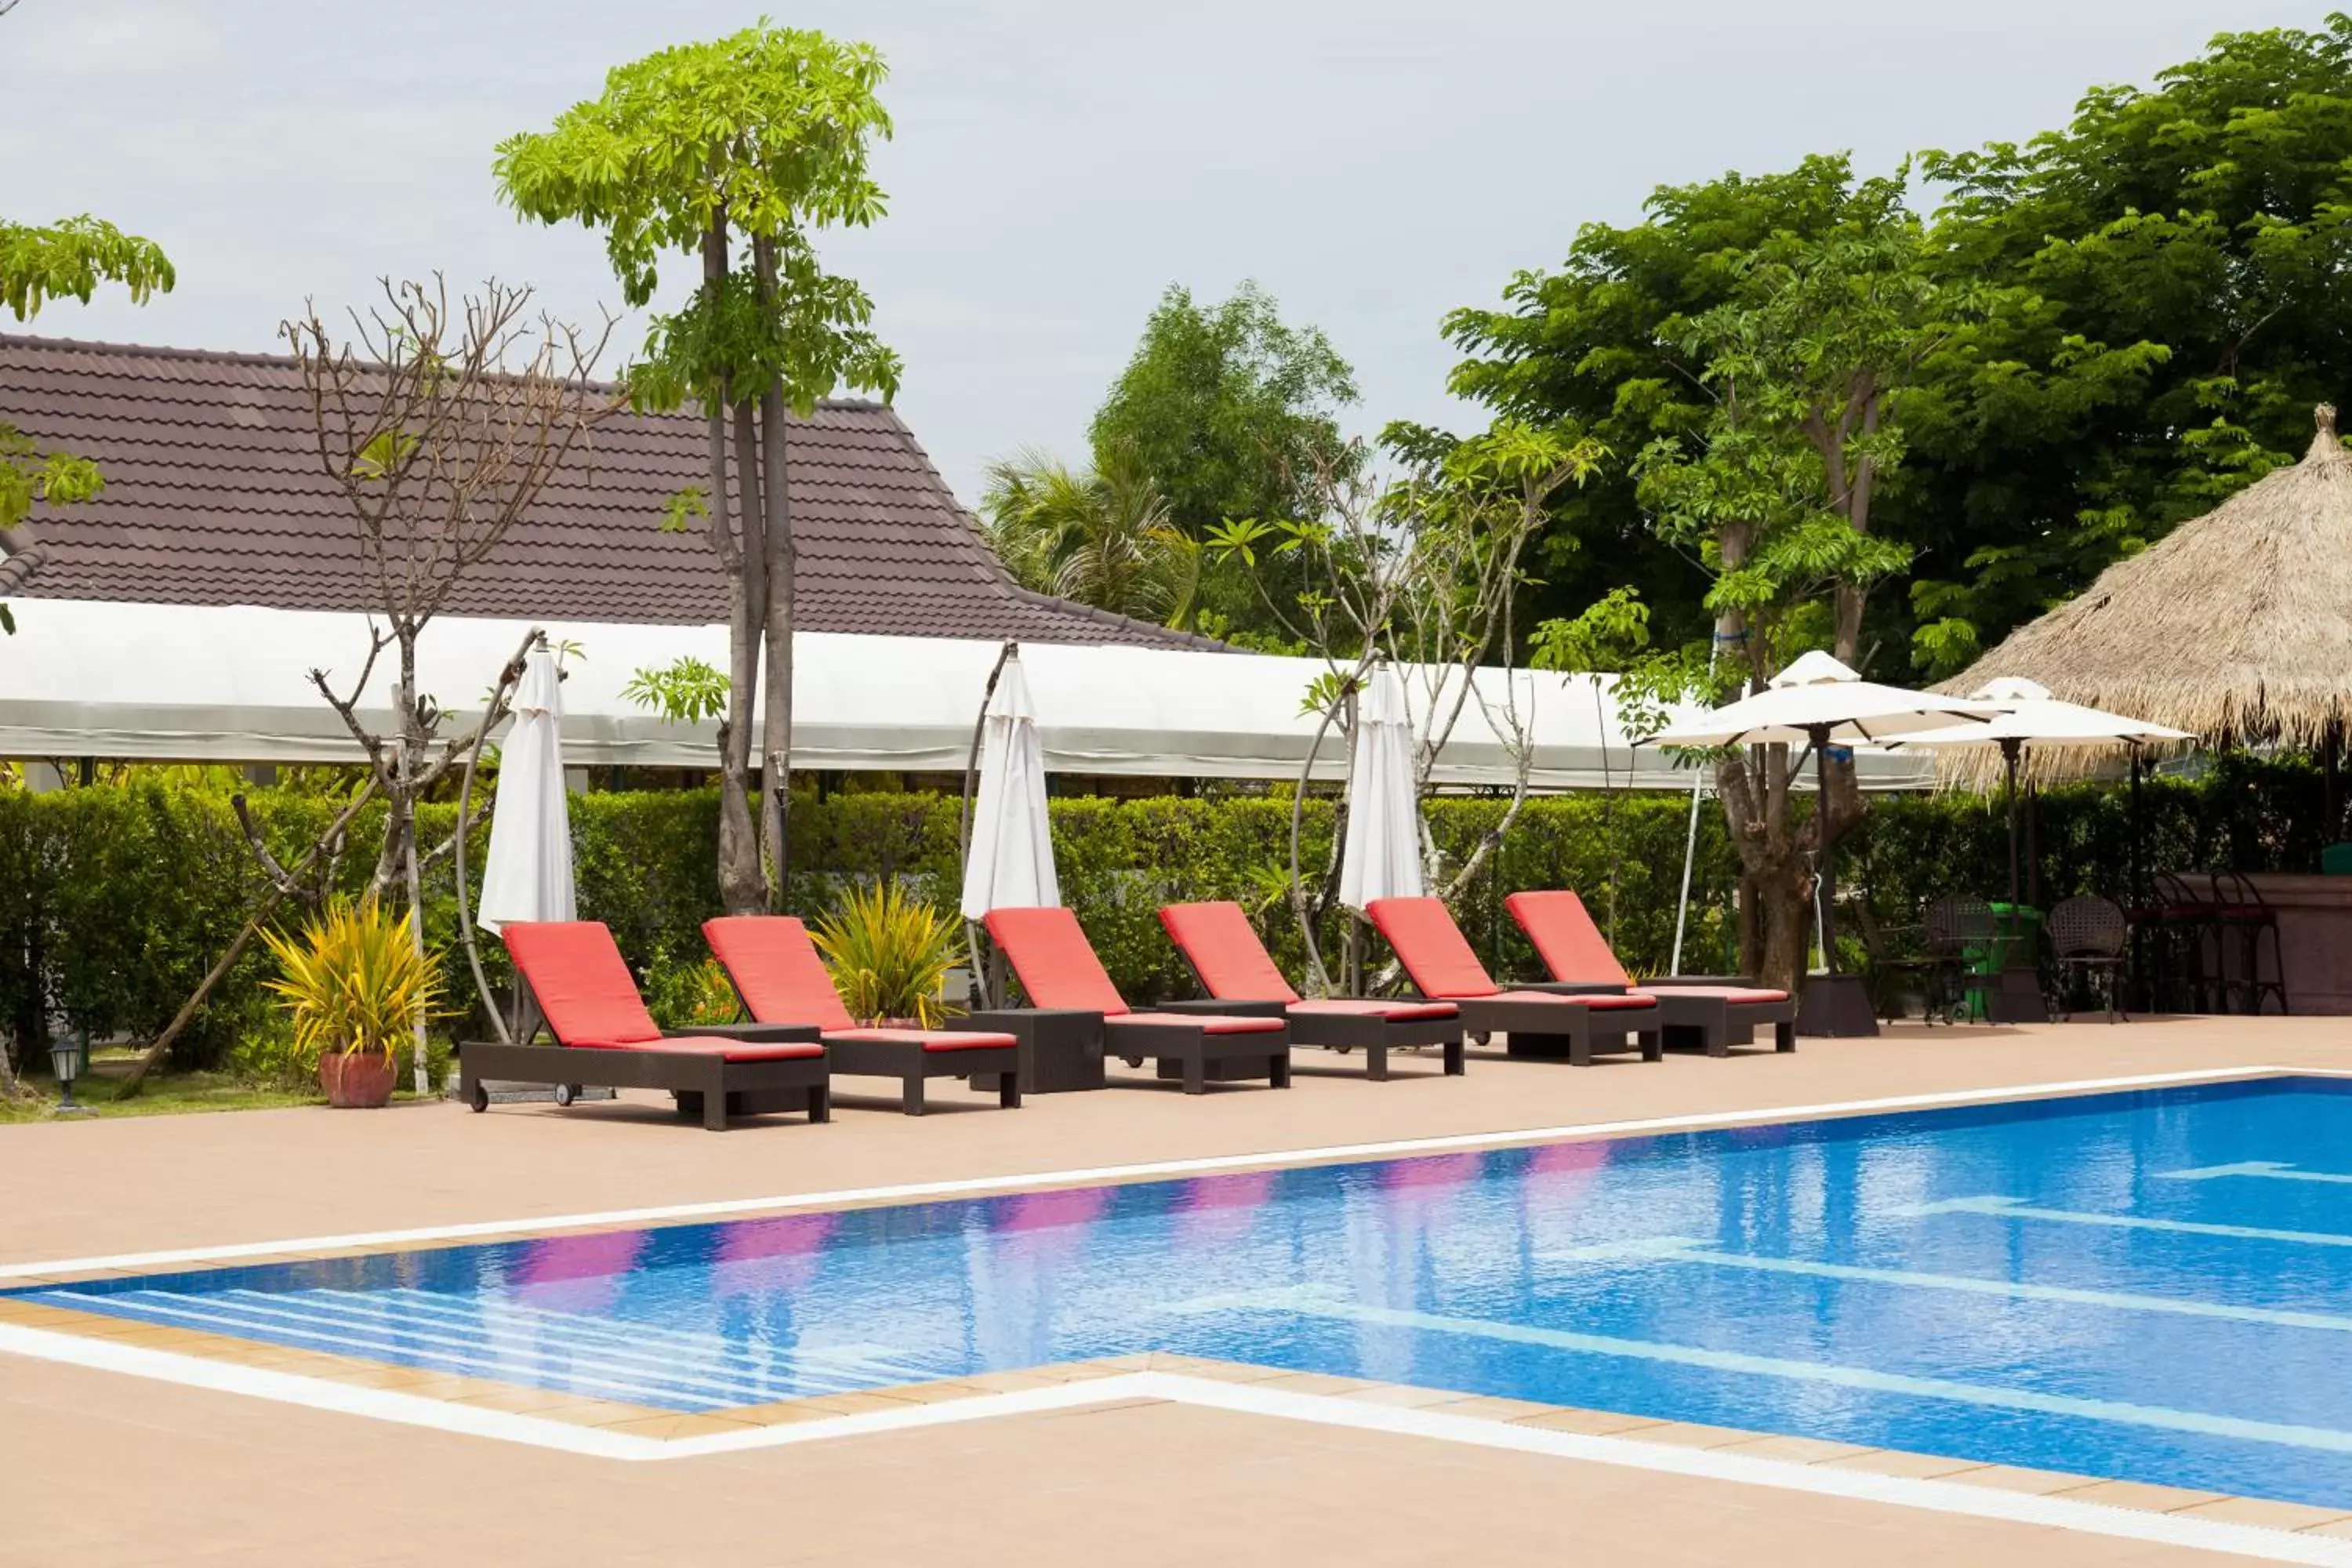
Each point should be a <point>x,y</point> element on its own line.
<point>1227,409</point>
<point>2173,271</point>
<point>737,151</point>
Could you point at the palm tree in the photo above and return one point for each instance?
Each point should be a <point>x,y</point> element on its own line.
<point>1100,536</point>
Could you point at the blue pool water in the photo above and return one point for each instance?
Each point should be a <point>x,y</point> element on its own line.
<point>2156,1286</point>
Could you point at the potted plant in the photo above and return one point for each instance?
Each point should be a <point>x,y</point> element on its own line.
<point>356,989</point>
<point>890,955</point>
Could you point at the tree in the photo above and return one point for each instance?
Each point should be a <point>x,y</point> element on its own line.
<point>1100,536</point>
<point>37,264</point>
<point>737,152</point>
<point>1426,570</point>
<point>2171,295</point>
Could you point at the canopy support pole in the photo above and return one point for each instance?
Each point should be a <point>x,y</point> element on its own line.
<point>1833,1004</point>
<point>984,988</point>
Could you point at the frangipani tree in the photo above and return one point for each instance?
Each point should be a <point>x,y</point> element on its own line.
<point>735,152</point>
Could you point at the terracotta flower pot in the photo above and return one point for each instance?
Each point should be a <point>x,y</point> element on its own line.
<point>357,1081</point>
<point>896,1024</point>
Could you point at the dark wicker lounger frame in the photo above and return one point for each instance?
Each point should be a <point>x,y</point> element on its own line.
<point>1188,1050</point>
<point>1367,1032</point>
<point>1714,1023</point>
<point>1557,1029</point>
<point>913,1065</point>
<point>706,1085</point>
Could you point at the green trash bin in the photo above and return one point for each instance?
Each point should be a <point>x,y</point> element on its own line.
<point>2016,944</point>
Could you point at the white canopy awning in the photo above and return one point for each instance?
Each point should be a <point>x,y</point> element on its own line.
<point>229,683</point>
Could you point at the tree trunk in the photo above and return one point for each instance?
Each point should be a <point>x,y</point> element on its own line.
<point>739,883</point>
<point>776,730</point>
<point>749,894</point>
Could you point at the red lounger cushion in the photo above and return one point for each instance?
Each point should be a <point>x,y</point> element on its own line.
<point>1372,1007</point>
<point>1738,996</point>
<point>1432,948</point>
<point>776,970</point>
<point>1207,1023</point>
<point>711,1046</point>
<point>575,973</point>
<point>929,1040</point>
<point>1565,938</point>
<point>1056,965</point>
<point>1217,941</point>
<point>1600,1002</point>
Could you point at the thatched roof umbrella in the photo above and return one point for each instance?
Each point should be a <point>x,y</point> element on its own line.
<point>2236,626</point>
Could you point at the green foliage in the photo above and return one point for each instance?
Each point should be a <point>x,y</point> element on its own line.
<point>353,982</point>
<point>114,901</point>
<point>686,691</point>
<point>764,133</point>
<point>68,260</point>
<point>1101,537</point>
<point>889,953</point>
<point>1227,410</point>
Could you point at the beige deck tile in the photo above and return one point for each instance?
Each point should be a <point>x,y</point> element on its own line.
<point>1140,1362</point>
<point>518,1401</point>
<point>1591,1423</point>
<point>2021,1478</point>
<point>782,1413</point>
<point>2266,1514</point>
<point>1488,1407</point>
<point>2141,1495</point>
<point>1897,1462</point>
<point>602,1412</point>
<point>863,1403</point>
<point>1232,1372</point>
<point>1009,1381</point>
<point>1797,1450</point>
<point>933,1393</point>
<point>1692,1434</point>
<point>2340,1529</point>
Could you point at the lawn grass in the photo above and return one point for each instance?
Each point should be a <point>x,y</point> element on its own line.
<point>169,1094</point>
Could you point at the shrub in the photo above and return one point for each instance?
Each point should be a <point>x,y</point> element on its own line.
<point>353,983</point>
<point>889,955</point>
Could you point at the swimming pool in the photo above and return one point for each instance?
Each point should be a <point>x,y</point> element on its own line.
<point>2156,1286</point>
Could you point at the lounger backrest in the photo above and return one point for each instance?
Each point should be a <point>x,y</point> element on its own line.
<point>1056,965</point>
<point>1217,941</point>
<point>1430,947</point>
<point>1569,944</point>
<point>582,987</point>
<point>776,970</point>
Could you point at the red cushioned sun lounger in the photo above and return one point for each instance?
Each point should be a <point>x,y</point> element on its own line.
<point>1539,1022</point>
<point>776,971</point>
<point>604,1036</point>
<point>1058,969</point>
<point>1239,975</point>
<point>1711,1012</point>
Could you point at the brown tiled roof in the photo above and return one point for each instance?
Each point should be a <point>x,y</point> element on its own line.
<point>215,496</point>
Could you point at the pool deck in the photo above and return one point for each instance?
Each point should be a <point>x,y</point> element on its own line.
<point>1162,1462</point>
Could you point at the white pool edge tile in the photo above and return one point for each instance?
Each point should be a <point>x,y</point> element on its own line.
<point>1940,1496</point>
<point>530,1225</point>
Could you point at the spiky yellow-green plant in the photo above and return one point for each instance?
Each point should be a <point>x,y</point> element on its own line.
<point>888,952</point>
<point>352,980</point>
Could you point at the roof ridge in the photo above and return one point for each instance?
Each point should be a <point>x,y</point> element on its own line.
<point>254,360</point>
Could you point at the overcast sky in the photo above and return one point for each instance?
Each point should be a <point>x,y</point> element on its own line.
<point>1057,162</point>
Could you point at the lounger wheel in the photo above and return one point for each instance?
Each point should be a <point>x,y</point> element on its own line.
<point>566,1093</point>
<point>480,1099</point>
<point>1133,1061</point>
<point>1479,1036</point>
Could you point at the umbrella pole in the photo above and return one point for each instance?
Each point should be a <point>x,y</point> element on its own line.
<point>1827,870</point>
<point>1832,1004</point>
<point>2009,749</point>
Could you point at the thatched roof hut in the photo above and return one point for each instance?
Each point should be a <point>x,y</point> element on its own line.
<point>2236,626</point>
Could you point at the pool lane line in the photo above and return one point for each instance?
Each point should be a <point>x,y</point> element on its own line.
<point>1998,1208</point>
<point>1696,1250</point>
<point>531,1227</point>
<point>1783,1475</point>
<point>2268,1170</point>
<point>1316,1302</point>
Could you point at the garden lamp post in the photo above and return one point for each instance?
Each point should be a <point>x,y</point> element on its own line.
<point>66,1055</point>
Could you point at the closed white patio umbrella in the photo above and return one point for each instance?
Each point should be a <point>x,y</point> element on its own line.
<point>1009,862</point>
<point>1818,701</point>
<point>528,876</point>
<point>1381,856</point>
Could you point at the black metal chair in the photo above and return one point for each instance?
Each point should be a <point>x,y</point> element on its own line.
<point>2088,936</point>
<point>2186,921</point>
<point>2243,920</point>
<point>1954,931</point>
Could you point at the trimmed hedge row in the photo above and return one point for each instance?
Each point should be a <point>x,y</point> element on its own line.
<point>114,901</point>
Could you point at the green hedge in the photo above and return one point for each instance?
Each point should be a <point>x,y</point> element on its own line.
<point>113,901</point>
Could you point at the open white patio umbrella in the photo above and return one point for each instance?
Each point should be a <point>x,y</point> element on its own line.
<point>2029,716</point>
<point>1381,856</point>
<point>1818,701</point>
<point>528,876</point>
<point>1010,863</point>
